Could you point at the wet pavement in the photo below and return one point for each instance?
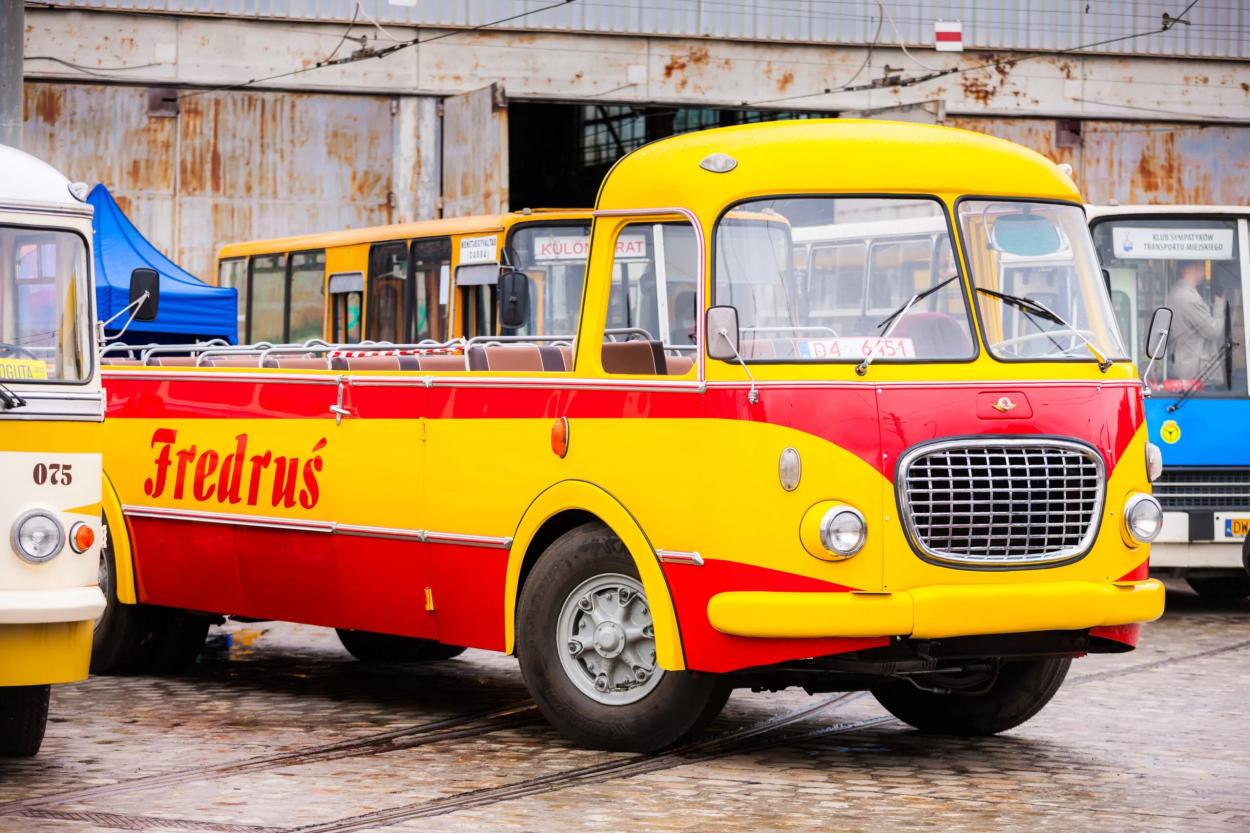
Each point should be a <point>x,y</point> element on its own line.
<point>277,729</point>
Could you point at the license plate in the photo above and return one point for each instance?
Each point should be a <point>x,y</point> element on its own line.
<point>1236,527</point>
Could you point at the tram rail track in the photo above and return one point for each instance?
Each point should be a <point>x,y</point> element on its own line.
<point>760,735</point>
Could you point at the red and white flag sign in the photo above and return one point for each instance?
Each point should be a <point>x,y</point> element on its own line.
<point>948,37</point>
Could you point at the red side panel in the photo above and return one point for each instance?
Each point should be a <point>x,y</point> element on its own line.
<point>468,584</point>
<point>186,564</point>
<point>707,649</point>
<point>381,585</point>
<point>1124,634</point>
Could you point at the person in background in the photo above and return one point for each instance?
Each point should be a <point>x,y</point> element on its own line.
<point>1197,328</point>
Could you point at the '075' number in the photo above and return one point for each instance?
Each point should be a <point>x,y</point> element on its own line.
<point>58,474</point>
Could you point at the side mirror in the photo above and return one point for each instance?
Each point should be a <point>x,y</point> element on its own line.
<point>1157,340</point>
<point>722,333</point>
<point>514,299</point>
<point>141,281</point>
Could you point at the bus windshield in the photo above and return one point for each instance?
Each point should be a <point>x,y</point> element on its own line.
<point>827,279</point>
<point>44,311</point>
<point>1037,281</point>
<point>1191,265</point>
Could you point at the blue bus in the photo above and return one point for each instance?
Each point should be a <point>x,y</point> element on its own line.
<point>1195,260</point>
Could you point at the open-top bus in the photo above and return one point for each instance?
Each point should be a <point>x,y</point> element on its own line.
<point>1195,260</point>
<point>943,502</point>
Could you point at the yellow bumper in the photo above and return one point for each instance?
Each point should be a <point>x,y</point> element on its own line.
<point>41,653</point>
<point>938,611</point>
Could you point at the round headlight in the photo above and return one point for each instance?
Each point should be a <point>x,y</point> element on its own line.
<point>1154,462</point>
<point>842,531</point>
<point>38,536</point>
<point>1143,518</point>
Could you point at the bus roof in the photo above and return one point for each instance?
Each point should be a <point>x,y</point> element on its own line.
<point>828,156</point>
<point>29,182</point>
<point>1097,211</point>
<point>477,224</point>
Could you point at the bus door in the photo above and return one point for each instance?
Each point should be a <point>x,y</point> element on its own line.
<point>429,276</point>
<point>346,295</point>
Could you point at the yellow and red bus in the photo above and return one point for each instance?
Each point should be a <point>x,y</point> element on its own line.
<point>404,283</point>
<point>943,499</point>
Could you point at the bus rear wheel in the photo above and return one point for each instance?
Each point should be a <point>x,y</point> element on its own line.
<point>586,645</point>
<point>367,646</point>
<point>23,718</point>
<point>1018,691</point>
<point>136,638</point>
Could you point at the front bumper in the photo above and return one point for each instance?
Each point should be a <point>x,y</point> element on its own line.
<point>69,604</point>
<point>938,611</point>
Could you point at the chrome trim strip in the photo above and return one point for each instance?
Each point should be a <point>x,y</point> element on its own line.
<point>679,557</point>
<point>971,561</point>
<point>485,541</point>
<point>34,206</point>
<point>995,384</point>
<point>423,536</point>
<point>209,374</point>
<point>200,516</point>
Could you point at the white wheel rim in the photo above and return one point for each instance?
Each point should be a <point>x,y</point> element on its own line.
<point>606,641</point>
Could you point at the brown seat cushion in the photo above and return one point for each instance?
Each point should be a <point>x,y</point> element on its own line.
<point>441,361</point>
<point>634,357</point>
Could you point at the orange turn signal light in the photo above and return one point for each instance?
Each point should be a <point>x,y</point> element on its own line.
<point>560,437</point>
<point>81,537</point>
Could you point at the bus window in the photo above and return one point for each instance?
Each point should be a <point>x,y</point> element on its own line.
<point>431,259</point>
<point>1192,265</point>
<point>554,257</point>
<point>388,272</point>
<point>267,301</point>
<point>346,297</point>
<point>652,300</point>
<point>836,282</point>
<point>308,270</point>
<point>477,285</point>
<point>232,274</point>
<point>899,269</point>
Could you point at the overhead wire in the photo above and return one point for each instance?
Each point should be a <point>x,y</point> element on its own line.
<point>366,53</point>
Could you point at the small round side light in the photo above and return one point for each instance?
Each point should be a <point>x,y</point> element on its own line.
<point>790,469</point>
<point>81,537</point>
<point>560,437</point>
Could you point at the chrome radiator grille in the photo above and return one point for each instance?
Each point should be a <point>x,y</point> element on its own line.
<point>1001,502</point>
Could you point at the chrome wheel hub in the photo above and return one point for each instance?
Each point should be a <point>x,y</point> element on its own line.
<point>606,640</point>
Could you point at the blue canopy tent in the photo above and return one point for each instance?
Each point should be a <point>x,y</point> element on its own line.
<point>189,308</point>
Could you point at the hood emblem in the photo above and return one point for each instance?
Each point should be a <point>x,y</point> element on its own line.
<point>1004,404</point>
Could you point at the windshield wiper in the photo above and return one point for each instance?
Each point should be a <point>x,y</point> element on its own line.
<point>1028,305</point>
<point>893,318</point>
<point>10,400</point>
<point>1202,375</point>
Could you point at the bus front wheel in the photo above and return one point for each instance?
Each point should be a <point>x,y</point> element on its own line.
<point>1018,690</point>
<point>586,645</point>
<point>23,717</point>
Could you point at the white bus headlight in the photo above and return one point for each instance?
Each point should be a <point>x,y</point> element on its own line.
<point>38,536</point>
<point>1154,462</point>
<point>1143,518</point>
<point>842,531</point>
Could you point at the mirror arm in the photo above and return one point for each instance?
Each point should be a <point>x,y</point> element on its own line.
<point>753,395</point>
<point>135,304</point>
<point>1145,377</point>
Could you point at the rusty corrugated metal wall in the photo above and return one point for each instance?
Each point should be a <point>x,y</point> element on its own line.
<point>1138,162</point>
<point>229,166</point>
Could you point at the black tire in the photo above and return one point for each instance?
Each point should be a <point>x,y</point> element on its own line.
<point>367,646</point>
<point>23,717</point>
<point>679,705</point>
<point>1220,587</point>
<point>135,638</point>
<point>1020,690</point>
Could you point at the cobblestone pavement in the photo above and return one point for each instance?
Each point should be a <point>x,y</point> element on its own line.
<point>278,729</point>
